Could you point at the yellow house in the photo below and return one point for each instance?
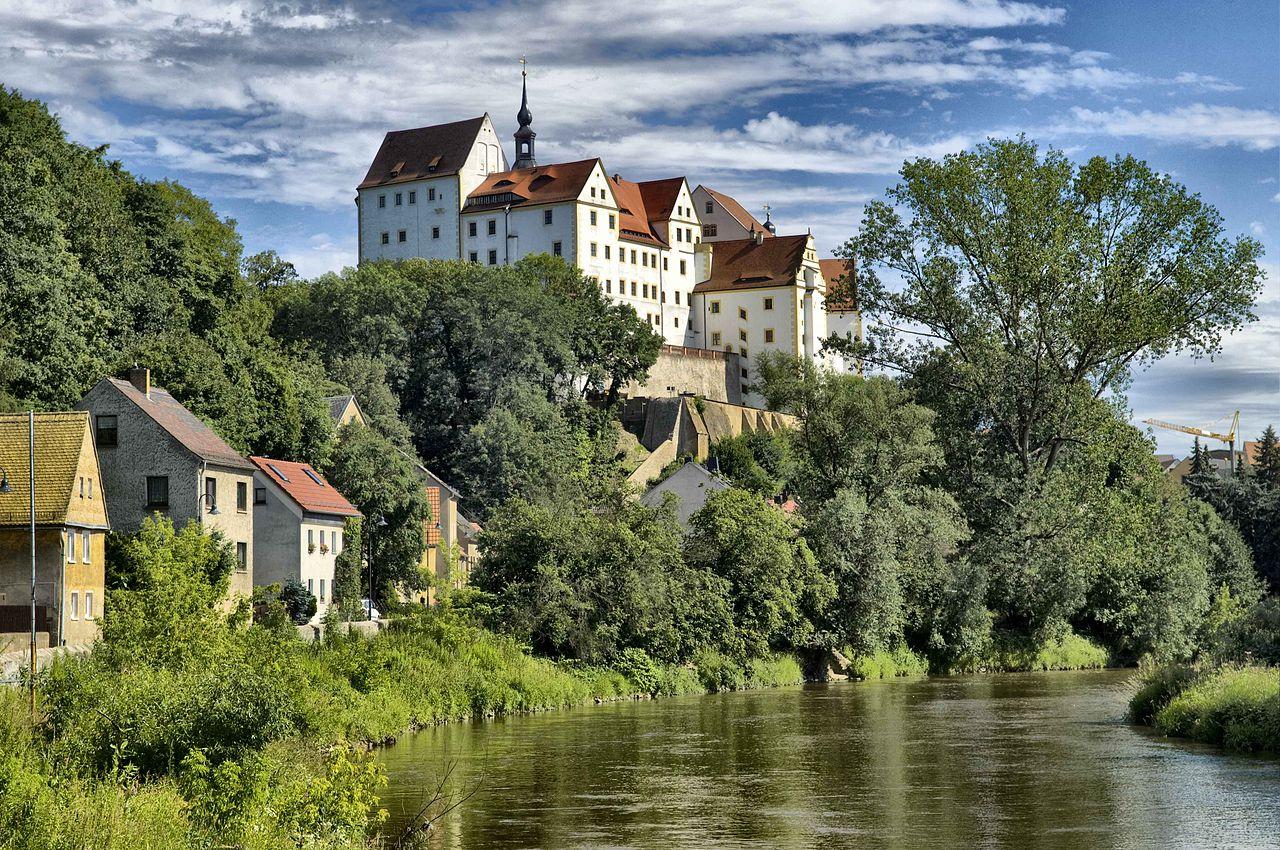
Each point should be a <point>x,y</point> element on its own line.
<point>345,409</point>
<point>70,530</point>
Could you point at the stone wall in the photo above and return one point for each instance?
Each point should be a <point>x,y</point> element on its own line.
<point>715,375</point>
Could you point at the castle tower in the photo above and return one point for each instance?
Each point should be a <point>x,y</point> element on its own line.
<point>524,135</point>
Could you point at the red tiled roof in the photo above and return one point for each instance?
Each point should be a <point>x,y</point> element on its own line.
<point>738,211</point>
<point>422,152</point>
<point>742,264</point>
<point>522,187</point>
<point>841,286</point>
<point>633,220</point>
<point>660,197</point>
<point>313,495</point>
<point>183,425</point>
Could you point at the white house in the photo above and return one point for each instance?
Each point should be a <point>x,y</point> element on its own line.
<point>723,218</point>
<point>297,530</point>
<point>691,484</point>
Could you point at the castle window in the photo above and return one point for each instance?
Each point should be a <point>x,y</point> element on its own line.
<point>611,221</point>
<point>677,297</point>
<point>708,230</point>
<point>743,351</point>
<point>399,199</point>
<point>664,298</point>
<point>679,234</point>
<point>413,197</point>
<point>742,335</point>
<point>473,257</point>
<point>675,321</point>
<point>688,234</point>
<point>593,194</point>
<point>665,267</point>
<point>593,216</point>
<point>744,373</point>
<point>768,303</point>
<point>493,258</point>
<point>382,201</point>
<point>546,216</point>
<point>606,252</point>
<point>768,334</point>
<point>715,339</point>
<point>608,286</point>
<point>493,227</point>
<point>644,259</point>
<point>471,228</point>
<point>435,233</point>
<point>715,306</point>
<point>593,246</point>
<point>431,194</point>
<point>633,289</point>
<point>386,237</point>
<point>742,313</point>
<point>633,256</point>
<point>682,267</point>
<point>711,207</point>
<point>402,236</point>
<point>556,249</point>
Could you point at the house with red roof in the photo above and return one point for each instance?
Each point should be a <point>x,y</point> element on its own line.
<point>299,519</point>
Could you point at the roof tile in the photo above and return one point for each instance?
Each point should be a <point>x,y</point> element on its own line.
<point>422,152</point>
<point>743,264</point>
<point>313,495</point>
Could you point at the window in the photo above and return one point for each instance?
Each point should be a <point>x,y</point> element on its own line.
<point>90,488</point>
<point>399,199</point>
<point>259,495</point>
<point>85,555</point>
<point>664,264</point>
<point>768,334</point>
<point>593,216</point>
<point>679,235</point>
<point>337,542</point>
<point>715,338</point>
<point>644,290</point>
<point>435,233</point>
<point>611,221</point>
<point>386,237</point>
<point>682,267</point>
<point>242,496</point>
<point>633,256</point>
<point>278,473</point>
<point>75,606</point>
<point>742,313</point>
<point>546,216</point>
<point>593,249</point>
<point>88,604</point>
<point>157,491</point>
<point>71,547</point>
<point>311,539</point>
<point>708,230</point>
<point>82,486</point>
<point>413,197</point>
<point>644,259</point>
<point>742,335</point>
<point>324,536</point>
<point>768,303</point>
<point>321,590</point>
<point>676,321</point>
<point>556,249</point>
<point>473,257</point>
<point>311,586</point>
<point>608,286</point>
<point>211,493</point>
<point>664,298</point>
<point>593,194</point>
<point>382,201</point>
<point>471,228</point>
<point>711,207</point>
<point>242,557</point>
<point>743,351</point>
<point>493,227</point>
<point>606,252</point>
<point>744,372</point>
<point>715,306</point>
<point>402,236</point>
<point>688,235</point>
<point>633,289</point>
<point>431,194</point>
<point>493,257</point>
<point>315,479</point>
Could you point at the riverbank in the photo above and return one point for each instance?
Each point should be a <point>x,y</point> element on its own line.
<point>1236,708</point>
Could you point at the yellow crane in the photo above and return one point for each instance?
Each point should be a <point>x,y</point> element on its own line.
<point>1229,438</point>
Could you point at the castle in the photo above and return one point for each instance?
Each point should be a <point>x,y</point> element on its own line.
<point>705,273</point>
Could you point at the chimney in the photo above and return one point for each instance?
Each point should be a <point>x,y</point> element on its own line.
<point>140,377</point>
<point>702,262</point>
<point>757,236</point>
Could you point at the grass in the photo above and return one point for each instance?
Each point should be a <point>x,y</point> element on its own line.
<point>1069,652</point>
<point>887,665</point>
<point>1234,708</point>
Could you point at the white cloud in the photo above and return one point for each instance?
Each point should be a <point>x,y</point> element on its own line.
<point>1200,124</point>
<point>1257,227</point>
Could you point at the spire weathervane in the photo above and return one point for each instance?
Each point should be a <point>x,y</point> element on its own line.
<point>768,222</point>
<point>524,135</point>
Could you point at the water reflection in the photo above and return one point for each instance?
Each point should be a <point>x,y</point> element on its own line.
<point>998,761</point>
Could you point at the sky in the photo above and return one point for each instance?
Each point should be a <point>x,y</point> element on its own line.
<point>274,110</point>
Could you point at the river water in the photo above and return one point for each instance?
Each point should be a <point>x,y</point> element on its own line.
<point>1019,760</point>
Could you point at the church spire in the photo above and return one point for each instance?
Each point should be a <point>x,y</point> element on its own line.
<point>525,135</point>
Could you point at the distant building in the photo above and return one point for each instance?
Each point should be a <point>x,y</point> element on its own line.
<point>724,219</point>
<point>298,527</point>
<point>844,319</point>
<point>159,458</point>
<point>692,484</point>
<point>345,409</point>
<point>71,526</point>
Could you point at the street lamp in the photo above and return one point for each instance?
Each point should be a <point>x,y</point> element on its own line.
<point>5,487</point>
<point>380,522</point>
<point>213,507</point>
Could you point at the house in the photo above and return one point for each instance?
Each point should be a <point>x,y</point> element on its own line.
<point>692,484</point>
<point>345,409</point>
<point>468,549</point>
<point>71,523</point>
<point>762,294</point>
<point>446,558</point>
<point>159,458</point>
<point>298,527</point>
<point>723,218</point>
<point>1219,463</point>
<point>841,305</point>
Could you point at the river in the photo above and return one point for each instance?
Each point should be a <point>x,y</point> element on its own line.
<point>1018,760</point>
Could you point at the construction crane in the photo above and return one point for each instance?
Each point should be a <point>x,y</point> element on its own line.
<point>1229,438</point>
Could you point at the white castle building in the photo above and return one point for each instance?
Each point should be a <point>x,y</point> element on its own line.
<point>693,263</point>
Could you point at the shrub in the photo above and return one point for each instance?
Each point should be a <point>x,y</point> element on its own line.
<point>1236,709</point>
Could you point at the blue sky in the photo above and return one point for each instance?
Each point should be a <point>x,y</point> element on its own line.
<point>274,109</point>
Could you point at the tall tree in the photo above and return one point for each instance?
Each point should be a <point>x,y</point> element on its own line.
<point>1267,465</point>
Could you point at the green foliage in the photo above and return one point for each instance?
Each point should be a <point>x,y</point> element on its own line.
<point>298,601</point>
<point>1267,462</point>
<point>775,589</point>
<point>755,461</point>
<point>1252,506</point>
<point>1252,637</point>
<point>883,664</point>
<point>1235,709</point>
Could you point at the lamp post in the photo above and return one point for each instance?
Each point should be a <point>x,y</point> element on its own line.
<point>380,522</point>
